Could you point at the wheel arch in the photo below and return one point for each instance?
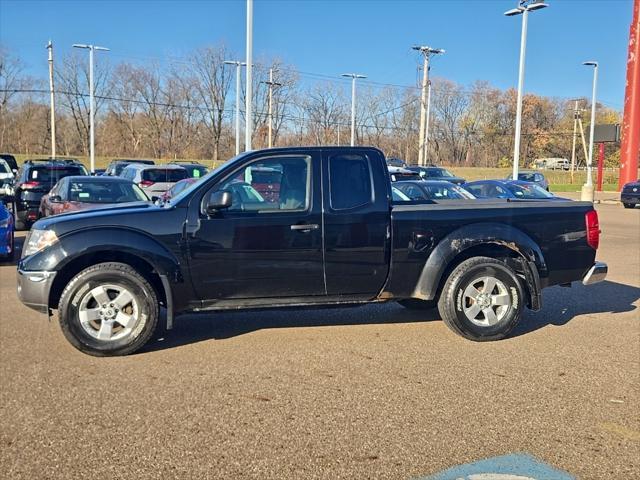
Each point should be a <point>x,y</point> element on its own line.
<point>499,241</point>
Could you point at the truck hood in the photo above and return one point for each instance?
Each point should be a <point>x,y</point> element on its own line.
<point>106,215</point>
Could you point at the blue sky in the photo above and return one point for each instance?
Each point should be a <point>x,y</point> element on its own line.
<point>332,36</point>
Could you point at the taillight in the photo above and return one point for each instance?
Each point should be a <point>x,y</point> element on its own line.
<point>29,185</point>
<point>146,183</point>
<point>593,229</point>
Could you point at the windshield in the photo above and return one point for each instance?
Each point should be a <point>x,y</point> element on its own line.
<point>529,191</point>
<point>527,177</point>
<point>438,173</point>
<point>4,168</point>
<point>51,174</point>
<point>446,192</point>
<point>164,175</point>
<point>398,196</point>
<point>105,192</point>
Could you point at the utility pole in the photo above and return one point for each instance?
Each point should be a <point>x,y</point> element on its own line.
<point>587,189</point>
<point>271,84</point>
<point>92,102</point>
<point>426,53</point>
<point>249,93</point>
<point>573,147</point>
<point>53,101</point>
<point>426,133</point>
<point>238,65</point>
<point>353,77</point>
<point>523,8</point>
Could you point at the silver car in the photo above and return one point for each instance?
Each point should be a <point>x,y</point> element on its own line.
<point>154,179</point>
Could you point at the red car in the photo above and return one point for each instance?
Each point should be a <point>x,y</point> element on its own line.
<point>76,193</point>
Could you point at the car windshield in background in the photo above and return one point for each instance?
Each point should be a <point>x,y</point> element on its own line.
<point>105,192</point>
<point>438,173</point>
<point>51,174</point>
<point>195,171</point>
<point>529,191</point>
<point>164,175</point>
<point>448,192</point>
<point>527,177</point>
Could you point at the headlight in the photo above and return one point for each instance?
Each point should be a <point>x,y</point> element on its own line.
<point>39,240</point>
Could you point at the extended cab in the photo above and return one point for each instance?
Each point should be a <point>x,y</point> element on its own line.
<point>324,230</point>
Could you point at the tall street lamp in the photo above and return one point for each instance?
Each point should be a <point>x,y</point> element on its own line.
<point>524,7</point>
<point>92,102</point>
<point>587,189</point>
<point>353,77</point>
<point>238,65</point>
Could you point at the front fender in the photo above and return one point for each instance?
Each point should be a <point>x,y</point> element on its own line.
<point>470,236</point>
<point>84,242</point>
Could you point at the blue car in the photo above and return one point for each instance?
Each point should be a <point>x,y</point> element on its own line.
<point>509,189</point>
<point>7,236</point>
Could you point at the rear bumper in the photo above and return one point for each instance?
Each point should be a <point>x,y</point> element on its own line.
<point>34,287</point>
<point>596,274</point>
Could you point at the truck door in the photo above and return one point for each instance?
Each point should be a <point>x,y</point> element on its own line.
<point>356,221</point>
<point>268,243</point>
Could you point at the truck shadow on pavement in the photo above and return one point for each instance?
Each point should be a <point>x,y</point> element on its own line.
<point>560,306</point>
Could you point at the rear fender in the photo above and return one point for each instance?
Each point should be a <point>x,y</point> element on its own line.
<point>457,242</point>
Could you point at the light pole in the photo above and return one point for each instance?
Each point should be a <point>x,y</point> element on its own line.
<point>53,101</point>
<point>238,65</point>
<point>524,7</point>
<point>425,99</point>
<point>353,77</point>
<point>92,102</point>
<point>248,128</point>
<point>587,189</point>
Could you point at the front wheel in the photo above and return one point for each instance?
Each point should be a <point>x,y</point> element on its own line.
<point>482,299</point>
<point>108,309</point>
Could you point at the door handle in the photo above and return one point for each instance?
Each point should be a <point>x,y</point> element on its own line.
<point>305,227</point>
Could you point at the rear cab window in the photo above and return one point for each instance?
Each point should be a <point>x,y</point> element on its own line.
<point>350,181</point>
<point>51,174</point>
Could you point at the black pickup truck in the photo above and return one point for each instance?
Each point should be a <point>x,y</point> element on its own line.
<point>320,229</point>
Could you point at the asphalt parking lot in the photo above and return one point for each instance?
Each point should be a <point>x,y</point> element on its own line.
<point>370,392</point>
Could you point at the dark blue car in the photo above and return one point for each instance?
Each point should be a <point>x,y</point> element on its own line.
<point>509,189</point>
<point>7,236</point>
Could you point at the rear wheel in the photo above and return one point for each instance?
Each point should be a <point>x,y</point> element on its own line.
<point>108,309</point>
<point>629,205</point>
<point>482,299</point>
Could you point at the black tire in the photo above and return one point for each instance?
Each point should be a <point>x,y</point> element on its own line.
<point>112,274</point>
<point>12,242</point>
<point>629,205</point>
<point>417,304</point>
<point>19,224</point>
<point>452,302</point>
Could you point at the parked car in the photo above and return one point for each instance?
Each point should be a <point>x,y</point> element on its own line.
<point>396,162</point>
<point>194,169</point>
<point>72,194</point>
<point>509,189</point>
<point>398,196</point>
<point>98,172</point>
<point>630,195</point>
<point>154,179</point>
<point>532,177</point>
<point>7,233</point>
<point>7,177</point>
<point>433,190</point>
<point>334,236</point>
<point>116,166</point>
<point>35,179</point>
<point>397,174</point>
<point>11,161</point>
<point>436,173</point>
<point>177,188</point>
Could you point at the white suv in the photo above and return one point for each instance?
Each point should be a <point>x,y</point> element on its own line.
<point>154,179</point>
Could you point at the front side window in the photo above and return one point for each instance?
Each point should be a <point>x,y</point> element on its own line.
<point>350,182</point>
<point>271,185</point>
